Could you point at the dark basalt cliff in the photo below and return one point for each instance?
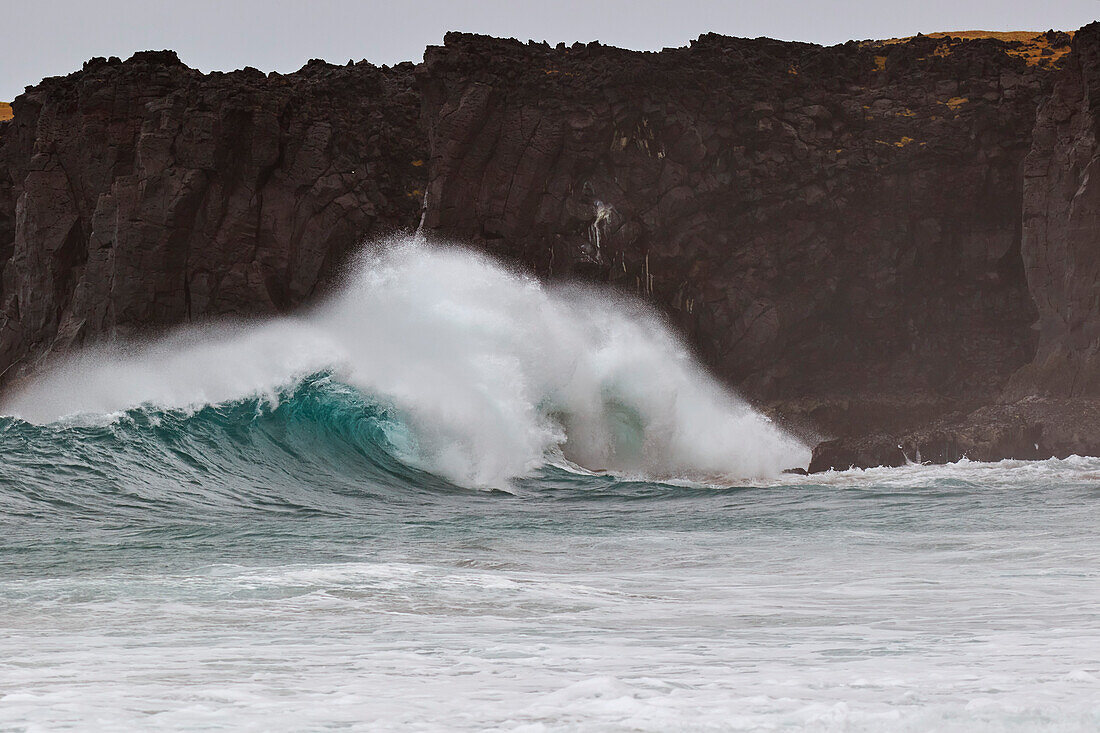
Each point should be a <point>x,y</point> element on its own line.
<point>140,195</point>
<point>882,244</point>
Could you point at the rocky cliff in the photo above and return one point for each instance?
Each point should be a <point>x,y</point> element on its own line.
<point>142,194</point>
<point>877,242</point>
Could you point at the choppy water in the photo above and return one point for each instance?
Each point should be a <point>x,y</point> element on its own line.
<point>227,539</point>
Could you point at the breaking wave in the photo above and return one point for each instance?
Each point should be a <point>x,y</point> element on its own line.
<point>433,360</point>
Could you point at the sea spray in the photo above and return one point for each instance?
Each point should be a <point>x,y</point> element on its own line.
<point>492,372</point>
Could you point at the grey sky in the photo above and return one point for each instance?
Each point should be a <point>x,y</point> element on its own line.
<point>50,37</point>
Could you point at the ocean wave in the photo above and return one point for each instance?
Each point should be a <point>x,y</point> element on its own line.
<point>461,368</point>
<point>300,449</point>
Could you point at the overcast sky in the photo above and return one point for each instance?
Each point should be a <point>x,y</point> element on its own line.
<point>49,37</point>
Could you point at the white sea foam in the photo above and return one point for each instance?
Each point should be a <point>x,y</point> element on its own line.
<point>491,369</point>
<point>955,599</point>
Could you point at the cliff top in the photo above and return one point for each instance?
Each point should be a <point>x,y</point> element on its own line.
<point>1025,36</point>
<point>1037,48</point>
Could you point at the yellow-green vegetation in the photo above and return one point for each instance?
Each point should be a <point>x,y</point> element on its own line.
<point>900,143</point>
<point>5,112</point>
<point>1032,46</point>
<point>1024,36</point>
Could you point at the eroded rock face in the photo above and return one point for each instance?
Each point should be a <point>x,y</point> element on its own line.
<point>144,194</point>
<point>836,228</point>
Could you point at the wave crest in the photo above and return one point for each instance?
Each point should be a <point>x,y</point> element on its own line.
<point>489,371</point>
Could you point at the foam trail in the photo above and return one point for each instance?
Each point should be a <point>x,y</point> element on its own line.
<point>492,371</point>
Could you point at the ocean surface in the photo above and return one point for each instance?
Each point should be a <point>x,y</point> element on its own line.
<point>451,498</point>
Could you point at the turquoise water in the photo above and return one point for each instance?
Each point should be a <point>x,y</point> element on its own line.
<point>259,565</point>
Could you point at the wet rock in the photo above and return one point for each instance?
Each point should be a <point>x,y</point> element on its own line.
<point>1033,428</point>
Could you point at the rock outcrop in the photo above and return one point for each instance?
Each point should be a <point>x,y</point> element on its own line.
<point>880,243</point>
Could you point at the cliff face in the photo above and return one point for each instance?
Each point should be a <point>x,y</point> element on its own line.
<point>1061,207</point>
<point>139,195</point>
<point>1050,405</point>
<point>837,228</point>
<point>849,235</point>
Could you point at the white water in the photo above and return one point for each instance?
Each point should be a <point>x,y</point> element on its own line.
<point>491,369</point>
<point>953,599</point>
